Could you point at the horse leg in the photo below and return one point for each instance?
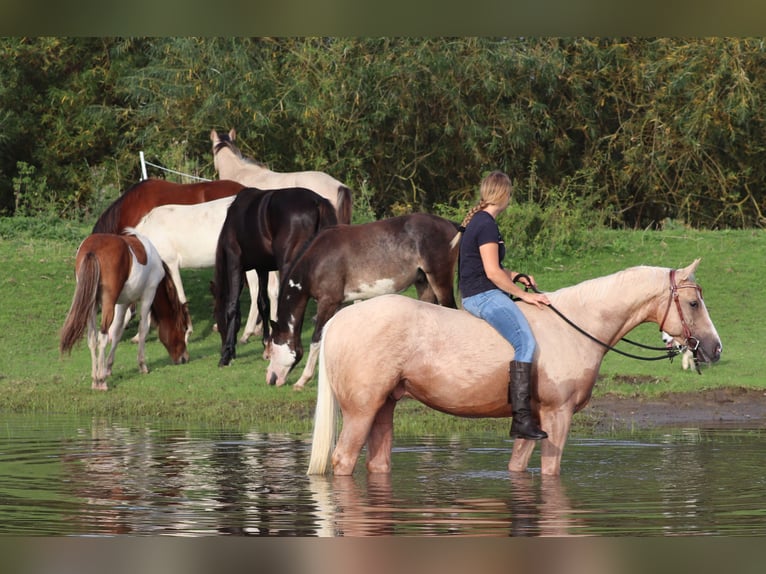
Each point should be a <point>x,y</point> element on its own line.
<point>252,327</point>
<point>556,423</point>
<point>381,438</point>
<point>522,451</point>
<point>93,346</point>
<point>233,317</point>
<point>115,334</point>
<point>99,380</point>
<point>325,310</point>
<point>441,285</point>
<point>353,435</point>
<point>143,330</point>
<point>264,308</point>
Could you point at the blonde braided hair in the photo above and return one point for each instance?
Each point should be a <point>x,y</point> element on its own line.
<point>495,188</point>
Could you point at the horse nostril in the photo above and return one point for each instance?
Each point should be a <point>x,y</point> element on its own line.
<point>273,379</point>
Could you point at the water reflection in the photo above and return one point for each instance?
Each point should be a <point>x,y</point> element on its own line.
<point>96,477</point>
<point>367,506</point>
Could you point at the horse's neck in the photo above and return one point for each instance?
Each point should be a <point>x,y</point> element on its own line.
<point>609,307</point>
<point>229,164</point>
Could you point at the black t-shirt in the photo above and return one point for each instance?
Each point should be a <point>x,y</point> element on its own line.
<point>480,230</point>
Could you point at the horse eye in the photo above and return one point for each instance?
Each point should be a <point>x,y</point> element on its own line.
<point>693,304</point>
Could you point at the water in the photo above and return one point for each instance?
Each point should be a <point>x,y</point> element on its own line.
<point>63,476</point>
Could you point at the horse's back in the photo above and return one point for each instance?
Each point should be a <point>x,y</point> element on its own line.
<point>128,209</point>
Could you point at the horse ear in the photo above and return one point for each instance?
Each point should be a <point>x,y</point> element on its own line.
<point>214,136</point>
<point>687,273</point>
<point>232,134</point>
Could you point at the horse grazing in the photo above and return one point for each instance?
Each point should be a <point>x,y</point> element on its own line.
<point>263,230</point>
<point>186,236</point>
<point>352,262</point>
<point>128,209</point>
<point>113,272</point>
<point>374,353</point>
<point>231,164</point>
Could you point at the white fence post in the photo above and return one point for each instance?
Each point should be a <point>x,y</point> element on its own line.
<point>143,166</point>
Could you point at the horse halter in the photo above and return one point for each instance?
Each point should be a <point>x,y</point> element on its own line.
<point>690,341</point>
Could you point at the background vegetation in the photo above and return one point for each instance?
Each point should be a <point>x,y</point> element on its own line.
<point>626,132</point>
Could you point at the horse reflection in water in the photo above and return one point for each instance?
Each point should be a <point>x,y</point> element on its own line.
<point>354,507</point>
<point>378,351</point>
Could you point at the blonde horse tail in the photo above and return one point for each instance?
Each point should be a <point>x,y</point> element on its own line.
<point>345,204</point>
<point>84,303</point>
<point>325,417</point>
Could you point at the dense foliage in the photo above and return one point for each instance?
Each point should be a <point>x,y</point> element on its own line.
<point>628,132</point>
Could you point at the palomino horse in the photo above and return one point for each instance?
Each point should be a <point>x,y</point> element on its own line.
<point>113,272</point>
<point>263,230</point>
<point>186,236</point>
<point>374,353</point>
<point>231,164</point>
<point>352,262</point>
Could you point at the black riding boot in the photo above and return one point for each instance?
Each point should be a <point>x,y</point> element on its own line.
<point>524,424</point>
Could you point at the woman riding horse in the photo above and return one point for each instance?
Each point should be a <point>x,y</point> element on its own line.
<point>486,288</point>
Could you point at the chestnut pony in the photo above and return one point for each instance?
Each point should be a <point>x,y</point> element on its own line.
<point>376,352</point>
<point>113,272</point>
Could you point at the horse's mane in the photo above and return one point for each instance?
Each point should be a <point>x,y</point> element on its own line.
<point>225,142</point>
<point>108,222</point>
<point>600,287</point>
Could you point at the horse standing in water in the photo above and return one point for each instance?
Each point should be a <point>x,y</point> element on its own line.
<point>352,262</point>
<point>374,353</point>
<point>113,272</point>
<point>263,230</point>
<point>231,164</point>
<point>186,236</point>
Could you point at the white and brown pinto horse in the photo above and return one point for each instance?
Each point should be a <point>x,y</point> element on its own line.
<point>113,272</point>
<point>231,164</point>
<point>374,353</point>
<point>186,236</point>
<point>348,263</point>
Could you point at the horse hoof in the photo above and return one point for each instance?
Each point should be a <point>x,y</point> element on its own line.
<point>297,388</point>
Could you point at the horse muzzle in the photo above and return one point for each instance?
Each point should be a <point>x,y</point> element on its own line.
<point>710,353</point>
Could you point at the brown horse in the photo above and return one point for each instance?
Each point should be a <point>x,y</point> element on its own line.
<point>231,164</point>
<point>374,353</point>
<point>128,209</point>
<point>113,272</point>
<point>353,262</point>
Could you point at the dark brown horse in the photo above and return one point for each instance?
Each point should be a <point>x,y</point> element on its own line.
<point>113,272</point>
<point>128,209</point>
<point>263,230</point>
<point>352,262</point>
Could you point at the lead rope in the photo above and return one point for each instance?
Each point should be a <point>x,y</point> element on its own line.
<point>669,353</point>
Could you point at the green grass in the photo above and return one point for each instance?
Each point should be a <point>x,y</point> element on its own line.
<point>37,284</point>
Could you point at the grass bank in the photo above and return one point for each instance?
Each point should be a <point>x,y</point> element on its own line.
<point>37,284</point>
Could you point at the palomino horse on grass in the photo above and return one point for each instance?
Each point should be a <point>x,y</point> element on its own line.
<point>231,164</point>
<point>351,262</point>
<point>374,353</point>
<point>113,272</point>
<point>263,230</point>
<point>186,236</point>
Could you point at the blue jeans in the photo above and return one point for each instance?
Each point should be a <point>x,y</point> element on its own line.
<point>500,311</point>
